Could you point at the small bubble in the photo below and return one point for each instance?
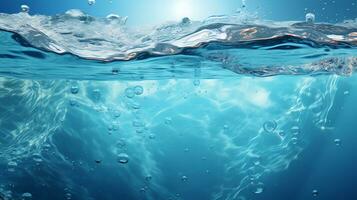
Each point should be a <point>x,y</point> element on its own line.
<point>225,127</point>
<point>137,123</point>
<point>315,193</point>
<point>152,136</point>
<point>294,140</point>
<point>142,190</point>
<point>115,71</point>
<point>185,20</point>
<point>186,150</point>
<point>121,143</point>
<point>138,90</point>
<point>196,82</point>
<point>337,142</point>
<point>12,164</point>
<point>91,2</point>
<point>25,8</point>
<point>129,92</point>
<point>281,133</point>
<point>295,130</point>
<point>148,178</point>
<point>26,195</point>
<point>310,18</point>
<point>135,105</point>
<point>74,89</point>
<point>346,92</point>
<point>258,188</point>
<point>98,161</point>
<point>37,157</point>
<point>168,120</point>
<point>123,158</point>
<point>270,126</point>
<point>184,178</point>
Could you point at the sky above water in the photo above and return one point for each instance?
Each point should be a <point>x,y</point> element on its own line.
<point>150,12</point>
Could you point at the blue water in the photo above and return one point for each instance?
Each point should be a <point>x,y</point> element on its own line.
<point>229,107</point>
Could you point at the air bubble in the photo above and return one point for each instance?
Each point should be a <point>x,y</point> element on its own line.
<point>337,142</point>
<point>196,82</point>
<point>25,8</point>
<point>37,157</point>
<point>258,188</point>
<point>185,20</point>
<point>148,178</point>
<point>129,92</point>
<point>294,140</point>
<point>138,90</point>
<point>74,89</point>
<point>168,120</point>
<point>123,158</point>
<point>184,178</point>
<point>270,126</point>
<point>310,18</point>
<point>315,193</point>
<point>295,130</point>
<point>26,195</point>
<point>91,2</point>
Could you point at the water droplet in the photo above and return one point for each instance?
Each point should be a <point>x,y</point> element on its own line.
<point>270,126</point>
<point>310,18</point>
<point>184,178</point>
<point>337,142</point>
<point>123,158</point>
<point>91,2</point>
<point>74,89</point>
<point>315,193</point>
<point>26,195</point>
<point>129,92</point>
<point>138,90</point>
<point>25,8</point>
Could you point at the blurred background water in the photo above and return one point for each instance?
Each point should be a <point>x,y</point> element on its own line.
<point>254,102</point>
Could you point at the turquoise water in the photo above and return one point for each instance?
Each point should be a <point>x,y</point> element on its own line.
<point>230,107</point>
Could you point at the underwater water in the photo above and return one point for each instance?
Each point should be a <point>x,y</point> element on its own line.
<point>230,107</point>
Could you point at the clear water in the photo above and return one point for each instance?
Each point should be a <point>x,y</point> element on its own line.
<point>230,107</point>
